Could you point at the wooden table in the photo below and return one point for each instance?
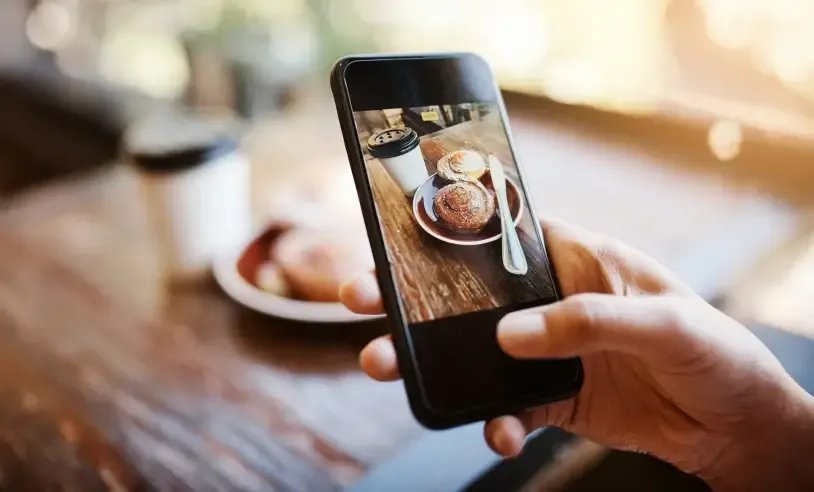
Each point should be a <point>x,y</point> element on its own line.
<point>437,279</point>
<point>113,381</point>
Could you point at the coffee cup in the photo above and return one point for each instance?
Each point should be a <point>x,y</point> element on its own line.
<point>196,184</point>
<point>398,151</point>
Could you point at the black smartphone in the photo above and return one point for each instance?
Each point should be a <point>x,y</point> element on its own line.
<point>453,231</point>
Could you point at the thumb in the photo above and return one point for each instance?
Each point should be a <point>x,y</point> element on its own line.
<point>652,327</point>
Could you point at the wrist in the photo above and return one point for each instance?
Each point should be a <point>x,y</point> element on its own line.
<point>772,452</point>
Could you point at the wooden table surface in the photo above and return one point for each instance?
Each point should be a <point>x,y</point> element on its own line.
<point>113,381</point>
<point>463,278</point>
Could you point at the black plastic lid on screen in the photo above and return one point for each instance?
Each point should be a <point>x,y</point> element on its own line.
<point>178,143</point>
<point>392,142</point>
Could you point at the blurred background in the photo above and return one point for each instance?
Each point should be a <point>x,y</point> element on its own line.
<point>683,127</point>
<point>728,64</point>
<point>701,56</point>
<point>720,74</point>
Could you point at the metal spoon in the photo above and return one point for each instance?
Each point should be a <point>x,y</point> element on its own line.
<point>514,260</point>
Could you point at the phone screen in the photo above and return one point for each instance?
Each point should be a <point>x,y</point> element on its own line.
<point>446,189</point>
<point>432,173</point>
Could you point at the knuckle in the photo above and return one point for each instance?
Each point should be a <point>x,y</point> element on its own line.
<point>609,250</point>
<point>582,310</point>
<point>676,314</point>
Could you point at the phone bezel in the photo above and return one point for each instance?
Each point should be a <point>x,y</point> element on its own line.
<point>420,405</point>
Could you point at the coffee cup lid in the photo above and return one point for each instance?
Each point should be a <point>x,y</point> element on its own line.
<point>392,142</point>
<point>171,143</point>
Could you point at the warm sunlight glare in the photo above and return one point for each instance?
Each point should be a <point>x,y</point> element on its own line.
<point>614,57</point>
<point>777,33</point>
<point>578,51</point>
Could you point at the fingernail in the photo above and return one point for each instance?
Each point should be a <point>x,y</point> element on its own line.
<point>517,329</point>
<point>507,444</point>
<point>367,289</point>
<point>504,444</point>
<point>385,351</point>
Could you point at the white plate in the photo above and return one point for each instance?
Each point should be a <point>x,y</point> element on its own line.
<point>228,277</point>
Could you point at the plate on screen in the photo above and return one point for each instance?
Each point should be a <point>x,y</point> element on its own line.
<point>427,217</point>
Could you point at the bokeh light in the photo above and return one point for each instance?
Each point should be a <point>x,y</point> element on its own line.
<point>51,25</point>
<point>153,63</point>
<point>778,34</point>
<point>725,139</point>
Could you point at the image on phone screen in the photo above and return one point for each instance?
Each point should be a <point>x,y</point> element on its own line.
<point>435,175</point>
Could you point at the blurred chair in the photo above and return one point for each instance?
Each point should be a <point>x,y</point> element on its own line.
<point>51,126</point>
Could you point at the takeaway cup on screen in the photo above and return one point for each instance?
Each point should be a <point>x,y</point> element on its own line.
<point>399,153</point>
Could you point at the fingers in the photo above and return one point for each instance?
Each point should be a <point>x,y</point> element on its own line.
<point>361,294</point>
<point>505,435</point>
<point>589,262</point>
<point>649,327</point>
<point>378,360</point>
<point>559,230</point>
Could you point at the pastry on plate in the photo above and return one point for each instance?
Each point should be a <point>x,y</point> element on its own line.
<point>315,263</point>
<point>461,165</point>
<point>464,206</point>
<point>269,277</point>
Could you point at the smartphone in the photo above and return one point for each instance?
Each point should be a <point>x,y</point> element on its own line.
<point>454,235</point>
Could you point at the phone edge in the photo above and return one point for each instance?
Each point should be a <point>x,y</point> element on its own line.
<point>420,408</point>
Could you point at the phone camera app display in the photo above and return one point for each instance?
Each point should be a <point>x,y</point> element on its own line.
<point>457,224</point>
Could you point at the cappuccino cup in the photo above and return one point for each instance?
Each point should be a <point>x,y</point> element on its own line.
<point>398,151</point>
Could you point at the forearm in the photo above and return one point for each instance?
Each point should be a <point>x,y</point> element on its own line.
<point>775,456</point>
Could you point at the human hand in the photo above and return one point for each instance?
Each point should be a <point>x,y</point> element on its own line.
<point>665,373</point>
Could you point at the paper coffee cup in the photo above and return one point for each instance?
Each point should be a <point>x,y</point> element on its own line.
<point>398,151</point>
